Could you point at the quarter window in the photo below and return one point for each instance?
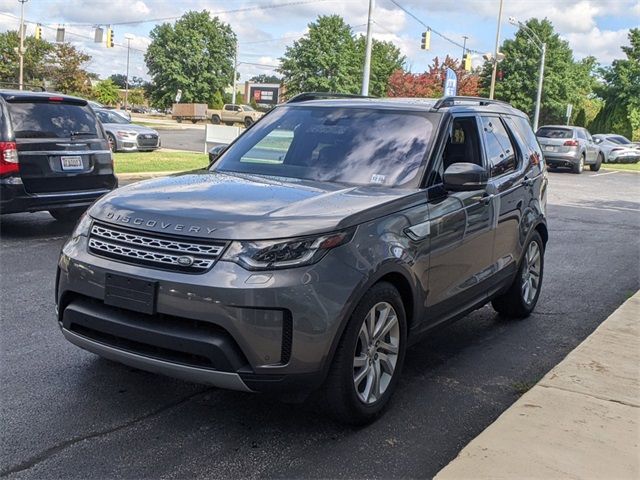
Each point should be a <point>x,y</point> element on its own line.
<point>500,151</point>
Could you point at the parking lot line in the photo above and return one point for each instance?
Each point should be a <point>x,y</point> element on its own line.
<point>606,173</point>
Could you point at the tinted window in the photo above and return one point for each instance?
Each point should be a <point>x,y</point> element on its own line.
<point>228,107</point>
<point>110,117</point>
<point>51,120</point>
<point>580,133</point>
<point>527,136</point>
<point>346,145</point>
<point>500,152</point>
<point>554,132</point>
<point>619,139</point>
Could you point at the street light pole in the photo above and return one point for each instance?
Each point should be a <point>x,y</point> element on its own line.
<point>367,55</point>
<point>128,36</point>
<point>495,54</point>
<point>464,47</point>
<point>235,75</point>
<point>21,47</point>
<point>536,116</point>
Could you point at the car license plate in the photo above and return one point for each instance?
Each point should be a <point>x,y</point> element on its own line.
<point>549,148</point>
<point>71,162</point>
<point>137,294</point>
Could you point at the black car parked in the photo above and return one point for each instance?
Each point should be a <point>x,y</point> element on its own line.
<point>54,154</point>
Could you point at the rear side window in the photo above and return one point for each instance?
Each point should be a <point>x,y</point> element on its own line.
<point>526,135</point>
<point>581,134</point>
<point>554,132</point>
<point>500,150</point>
<point>51,120</point>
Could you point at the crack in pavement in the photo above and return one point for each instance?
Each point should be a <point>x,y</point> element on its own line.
<point>51,451</point>
<point>586,394</point>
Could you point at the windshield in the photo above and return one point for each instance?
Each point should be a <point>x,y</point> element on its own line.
<point>359,146</point>
<point>552,132</point>
<point>110,117</point>
<point>619,139</point>
<point>51,120</point>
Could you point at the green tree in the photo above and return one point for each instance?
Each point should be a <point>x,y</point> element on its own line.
<point>194,55</point>
<point>34,58</point>
<point>323,60</point>
<point>120,80</point>
<point>136,96</point>
<point>264,78</point>
<point>106,92</point>
<point>565,81</point>
<point>65,70</point>
<point>386,58</point>
<point>621,93</point>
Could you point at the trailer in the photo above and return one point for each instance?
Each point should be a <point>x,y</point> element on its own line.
<point>189,111</point>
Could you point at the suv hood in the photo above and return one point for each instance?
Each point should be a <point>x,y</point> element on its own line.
<point>233,206</point>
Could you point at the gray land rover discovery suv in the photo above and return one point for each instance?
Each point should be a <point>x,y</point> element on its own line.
<point>320,244</point>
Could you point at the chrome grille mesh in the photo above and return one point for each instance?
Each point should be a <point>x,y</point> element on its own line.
<point>147,249</point>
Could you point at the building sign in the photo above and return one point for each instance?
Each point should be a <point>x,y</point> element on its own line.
<point>264,95</point>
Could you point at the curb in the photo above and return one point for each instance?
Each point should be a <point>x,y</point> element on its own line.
<point>143,175</point>
<point>582,420</point>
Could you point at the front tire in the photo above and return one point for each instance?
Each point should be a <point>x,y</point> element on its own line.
<point>67,215</point>
<point>248,122</point>
<point>113,146</point>
<point>596,166</point>
<point>369,357</point>
<point>521,298</point>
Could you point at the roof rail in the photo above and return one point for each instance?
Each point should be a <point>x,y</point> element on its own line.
<point>15,85</point>
<point>303,97</point>
<point>450,101</point>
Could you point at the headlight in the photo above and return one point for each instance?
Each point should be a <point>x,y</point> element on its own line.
<point>293,252</point>
<point>123,134</point>
<point>82,227</point>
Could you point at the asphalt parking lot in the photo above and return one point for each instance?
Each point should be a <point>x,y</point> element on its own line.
<point>66,413</point>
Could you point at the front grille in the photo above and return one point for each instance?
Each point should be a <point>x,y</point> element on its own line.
<point>147,140</point>
<point>142,248</point>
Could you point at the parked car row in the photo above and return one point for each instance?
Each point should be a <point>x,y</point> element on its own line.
<point>125,136</point>
<point>574,147</point>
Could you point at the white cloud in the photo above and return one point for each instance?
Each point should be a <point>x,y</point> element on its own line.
<point>602,44</point>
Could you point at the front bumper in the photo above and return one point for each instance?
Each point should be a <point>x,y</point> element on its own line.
<point>137,144</point>
<point>228,327</point>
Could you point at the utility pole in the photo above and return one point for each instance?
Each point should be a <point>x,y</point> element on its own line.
<point>464,46</point>
<point>21,47</point>
<point>367,55</point>
<point>495,54</point>
<point>128,36</point>
<point>235,75</point>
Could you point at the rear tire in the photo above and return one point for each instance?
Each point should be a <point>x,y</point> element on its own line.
<point>248,122</point>
<point>596,166</point>
<point>67,215</point>
<point>215,119</point>
<point>520,300</point>
<point>369,358</point>
<point>579,167</point>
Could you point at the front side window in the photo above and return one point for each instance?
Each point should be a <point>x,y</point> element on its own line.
<point>500,151</point>
<point>110,117</point>
<point>51,120</point>
<point>358,146</point>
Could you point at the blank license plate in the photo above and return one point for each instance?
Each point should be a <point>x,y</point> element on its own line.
<point>71,162</point>
<point>137,294</point>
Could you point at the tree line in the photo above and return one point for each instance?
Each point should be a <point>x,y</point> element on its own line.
<point>196,56</point>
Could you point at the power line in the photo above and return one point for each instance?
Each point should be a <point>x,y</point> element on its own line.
<point>441,35</point>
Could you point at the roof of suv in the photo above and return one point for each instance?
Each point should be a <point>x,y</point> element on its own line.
<point>451,104</point>
<point>25,95</point>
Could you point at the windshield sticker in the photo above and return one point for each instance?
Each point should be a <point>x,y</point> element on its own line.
<point>376,178</point>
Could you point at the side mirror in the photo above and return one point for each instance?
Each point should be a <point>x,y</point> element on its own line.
<point>465,177</point>
<point>597,140</point>
<point>215,152</point>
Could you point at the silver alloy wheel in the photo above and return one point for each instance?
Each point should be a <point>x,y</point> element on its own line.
<point>376,353</point>
<point>531,273</point>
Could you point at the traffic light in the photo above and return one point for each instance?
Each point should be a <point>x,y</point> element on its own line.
<point>109,38</point>
<point>426,40</point>
<point>38,34</point>
<point>467,62</point>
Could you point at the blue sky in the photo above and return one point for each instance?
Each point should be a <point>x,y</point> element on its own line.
<point>591,27</point>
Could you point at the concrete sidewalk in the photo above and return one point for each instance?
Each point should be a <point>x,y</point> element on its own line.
<point>582,420</point>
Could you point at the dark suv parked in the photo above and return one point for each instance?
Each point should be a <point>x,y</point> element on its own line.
<point>323,242</point>
<point>54,154</point>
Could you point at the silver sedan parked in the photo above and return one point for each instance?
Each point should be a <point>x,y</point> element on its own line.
<point>569,146</point>
<point>617,149</point>
<point>125,136</point>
